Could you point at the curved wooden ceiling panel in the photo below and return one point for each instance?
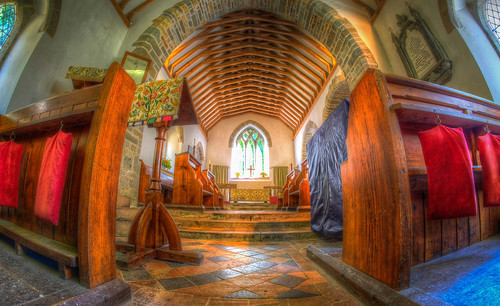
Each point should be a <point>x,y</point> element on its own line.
<point>252,61</point>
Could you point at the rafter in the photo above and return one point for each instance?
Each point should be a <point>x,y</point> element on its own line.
<point>252,61</point>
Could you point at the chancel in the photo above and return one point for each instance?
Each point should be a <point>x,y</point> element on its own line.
<point>215,152</point>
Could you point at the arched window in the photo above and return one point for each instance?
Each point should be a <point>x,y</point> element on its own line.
<point>7,21</point>
<point>492,13</point>
<point>250,151</point>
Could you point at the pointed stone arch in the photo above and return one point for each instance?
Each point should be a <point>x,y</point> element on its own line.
<point>309,131</point>
<point>245,124</point>
<point>339,90</point>
<point>323,22</point>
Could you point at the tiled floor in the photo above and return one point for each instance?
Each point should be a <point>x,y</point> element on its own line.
<point>237,273</point>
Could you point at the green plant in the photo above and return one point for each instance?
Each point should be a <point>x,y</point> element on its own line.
<point>263,174</point>
<point>166,163</point>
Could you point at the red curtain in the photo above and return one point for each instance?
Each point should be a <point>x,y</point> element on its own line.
<point>10,165</point>
<point>52,176</point>
<point>449,172</point>
<point>489,152</point>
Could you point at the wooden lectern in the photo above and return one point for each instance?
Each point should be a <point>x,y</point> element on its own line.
<point>154,234</point>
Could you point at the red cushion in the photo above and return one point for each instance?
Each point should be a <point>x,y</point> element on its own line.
<point>52,176</point>
<point>10,165</point>
<point>273,199</point>
<point>449,172</point>
<point>489,152</point>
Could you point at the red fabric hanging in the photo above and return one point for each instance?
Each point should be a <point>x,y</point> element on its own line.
<point>10,165</point>
<point>489,152</point>
<point>449,173</point>
<point>52,176</point>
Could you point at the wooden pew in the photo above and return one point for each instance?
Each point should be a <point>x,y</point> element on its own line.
<point>218,198</point>
<point>299,197</point>
<point>85,235</point>
<point>384,183</point>
<point>167,184</point>
<point>188,182</point>
<point>283,200</point>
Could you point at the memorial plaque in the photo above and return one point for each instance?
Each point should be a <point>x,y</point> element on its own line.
<point>422,55</point>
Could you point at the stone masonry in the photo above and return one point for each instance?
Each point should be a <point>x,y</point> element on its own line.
<point>128,186</point>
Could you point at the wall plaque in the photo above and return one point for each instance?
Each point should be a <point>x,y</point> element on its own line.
<point>422,55</point>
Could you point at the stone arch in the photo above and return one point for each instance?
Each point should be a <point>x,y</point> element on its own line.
<point>339,90</point>
<point>200,153</point>
<point>323,22</point>
<point>246,123</point>
<point>309,131</point>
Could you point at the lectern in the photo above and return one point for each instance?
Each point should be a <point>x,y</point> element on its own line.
<point>154,234</point>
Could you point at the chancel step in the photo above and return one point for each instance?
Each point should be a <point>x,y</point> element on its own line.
<point>243,225</point>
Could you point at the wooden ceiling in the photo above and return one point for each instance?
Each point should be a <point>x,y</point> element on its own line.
<point>252,61</point>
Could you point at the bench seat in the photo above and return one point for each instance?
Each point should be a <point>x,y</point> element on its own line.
<point>65,254</point>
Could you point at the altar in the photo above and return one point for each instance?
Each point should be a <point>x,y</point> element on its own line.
<point>250,190</point>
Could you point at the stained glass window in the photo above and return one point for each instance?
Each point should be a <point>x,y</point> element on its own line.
<point>249,152</point>
<point>492,9</point>
<point>7,21</point>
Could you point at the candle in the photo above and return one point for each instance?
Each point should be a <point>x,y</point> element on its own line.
<point>209,162</point>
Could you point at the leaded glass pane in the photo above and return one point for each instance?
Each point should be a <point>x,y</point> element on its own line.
<point>245,136</point>
<point>249,160</point>
<point>255,136</point>
<point>492,9</point>
<point>7,21</point>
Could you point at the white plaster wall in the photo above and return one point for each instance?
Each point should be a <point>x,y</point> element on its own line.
<point>316,116</point>
<point>89,34</point>
<point>16,60</point>
<point>466,75</point>
<point>280,153</point>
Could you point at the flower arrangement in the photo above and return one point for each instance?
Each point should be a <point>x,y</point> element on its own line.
<point>237,174</point>
<point>263,174</point>
<point>166,163</point>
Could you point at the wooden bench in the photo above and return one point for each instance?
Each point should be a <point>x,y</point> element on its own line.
<point>299,197</point>
<point>384,182</point>
<point>167,184</point>
<point>217,197</point>
<point>188,187</point>
<point>283,200</point>
<point>85,235</point>
<point>65,254</point>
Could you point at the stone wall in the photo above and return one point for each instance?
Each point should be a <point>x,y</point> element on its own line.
<point>130,168</point>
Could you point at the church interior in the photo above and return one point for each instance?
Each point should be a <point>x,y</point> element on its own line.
<point>249,152</point>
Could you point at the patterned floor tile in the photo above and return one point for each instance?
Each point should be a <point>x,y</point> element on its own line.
<point>218,258</point>
<point>271,248</point>
<point>294,293</point>
<point>268,290</point>
<point>291,263</point>
<point>175,283</point>
<point>150,296</point>
<point>250,253</point>
<point>201,279</point>
<point>289,281</point>
<point>246,281</point>
<point>136,275</point>
<point>262,256</point>
<point>243,294</point>
<point>226,273</point>
<point>254,267</point>
<point>237,273</point>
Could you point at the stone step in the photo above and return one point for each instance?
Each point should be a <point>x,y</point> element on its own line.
<point>244,225</point>
<point>240,215</point>
<point>234,207</point>
<point>255,236</point>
